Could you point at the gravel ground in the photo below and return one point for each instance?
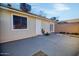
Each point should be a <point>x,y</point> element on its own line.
<point>52,45</point>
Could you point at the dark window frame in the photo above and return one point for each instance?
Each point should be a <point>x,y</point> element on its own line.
<point>19,22</point>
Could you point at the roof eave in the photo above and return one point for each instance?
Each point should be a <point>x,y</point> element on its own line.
<point>25,13</point>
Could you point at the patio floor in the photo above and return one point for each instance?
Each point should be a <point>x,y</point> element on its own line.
<point>52,45</point>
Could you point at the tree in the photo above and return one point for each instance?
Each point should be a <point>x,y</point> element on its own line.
<point>54,18</point>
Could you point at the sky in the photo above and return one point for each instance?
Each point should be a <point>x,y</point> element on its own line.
<point>63,11</point>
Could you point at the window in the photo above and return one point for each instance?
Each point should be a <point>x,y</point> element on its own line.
<point>19,22</point>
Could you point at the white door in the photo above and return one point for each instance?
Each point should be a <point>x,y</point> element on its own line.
<point>38,27</point>
<point>52,27</point>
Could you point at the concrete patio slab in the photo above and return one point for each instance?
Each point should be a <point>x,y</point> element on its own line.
<point>52,45</point>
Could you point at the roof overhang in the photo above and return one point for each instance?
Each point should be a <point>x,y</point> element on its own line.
<point>25,13</point>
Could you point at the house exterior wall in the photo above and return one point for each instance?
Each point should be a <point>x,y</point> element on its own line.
<point>67,27</point>
<point>46,25</point>
<point>7,33</point>
<point>10,34</point>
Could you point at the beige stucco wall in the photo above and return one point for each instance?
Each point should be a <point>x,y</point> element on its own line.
<point>69,27</point>
<point>7,33</point>
<point>10,34</point>
<point>46,25</point>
